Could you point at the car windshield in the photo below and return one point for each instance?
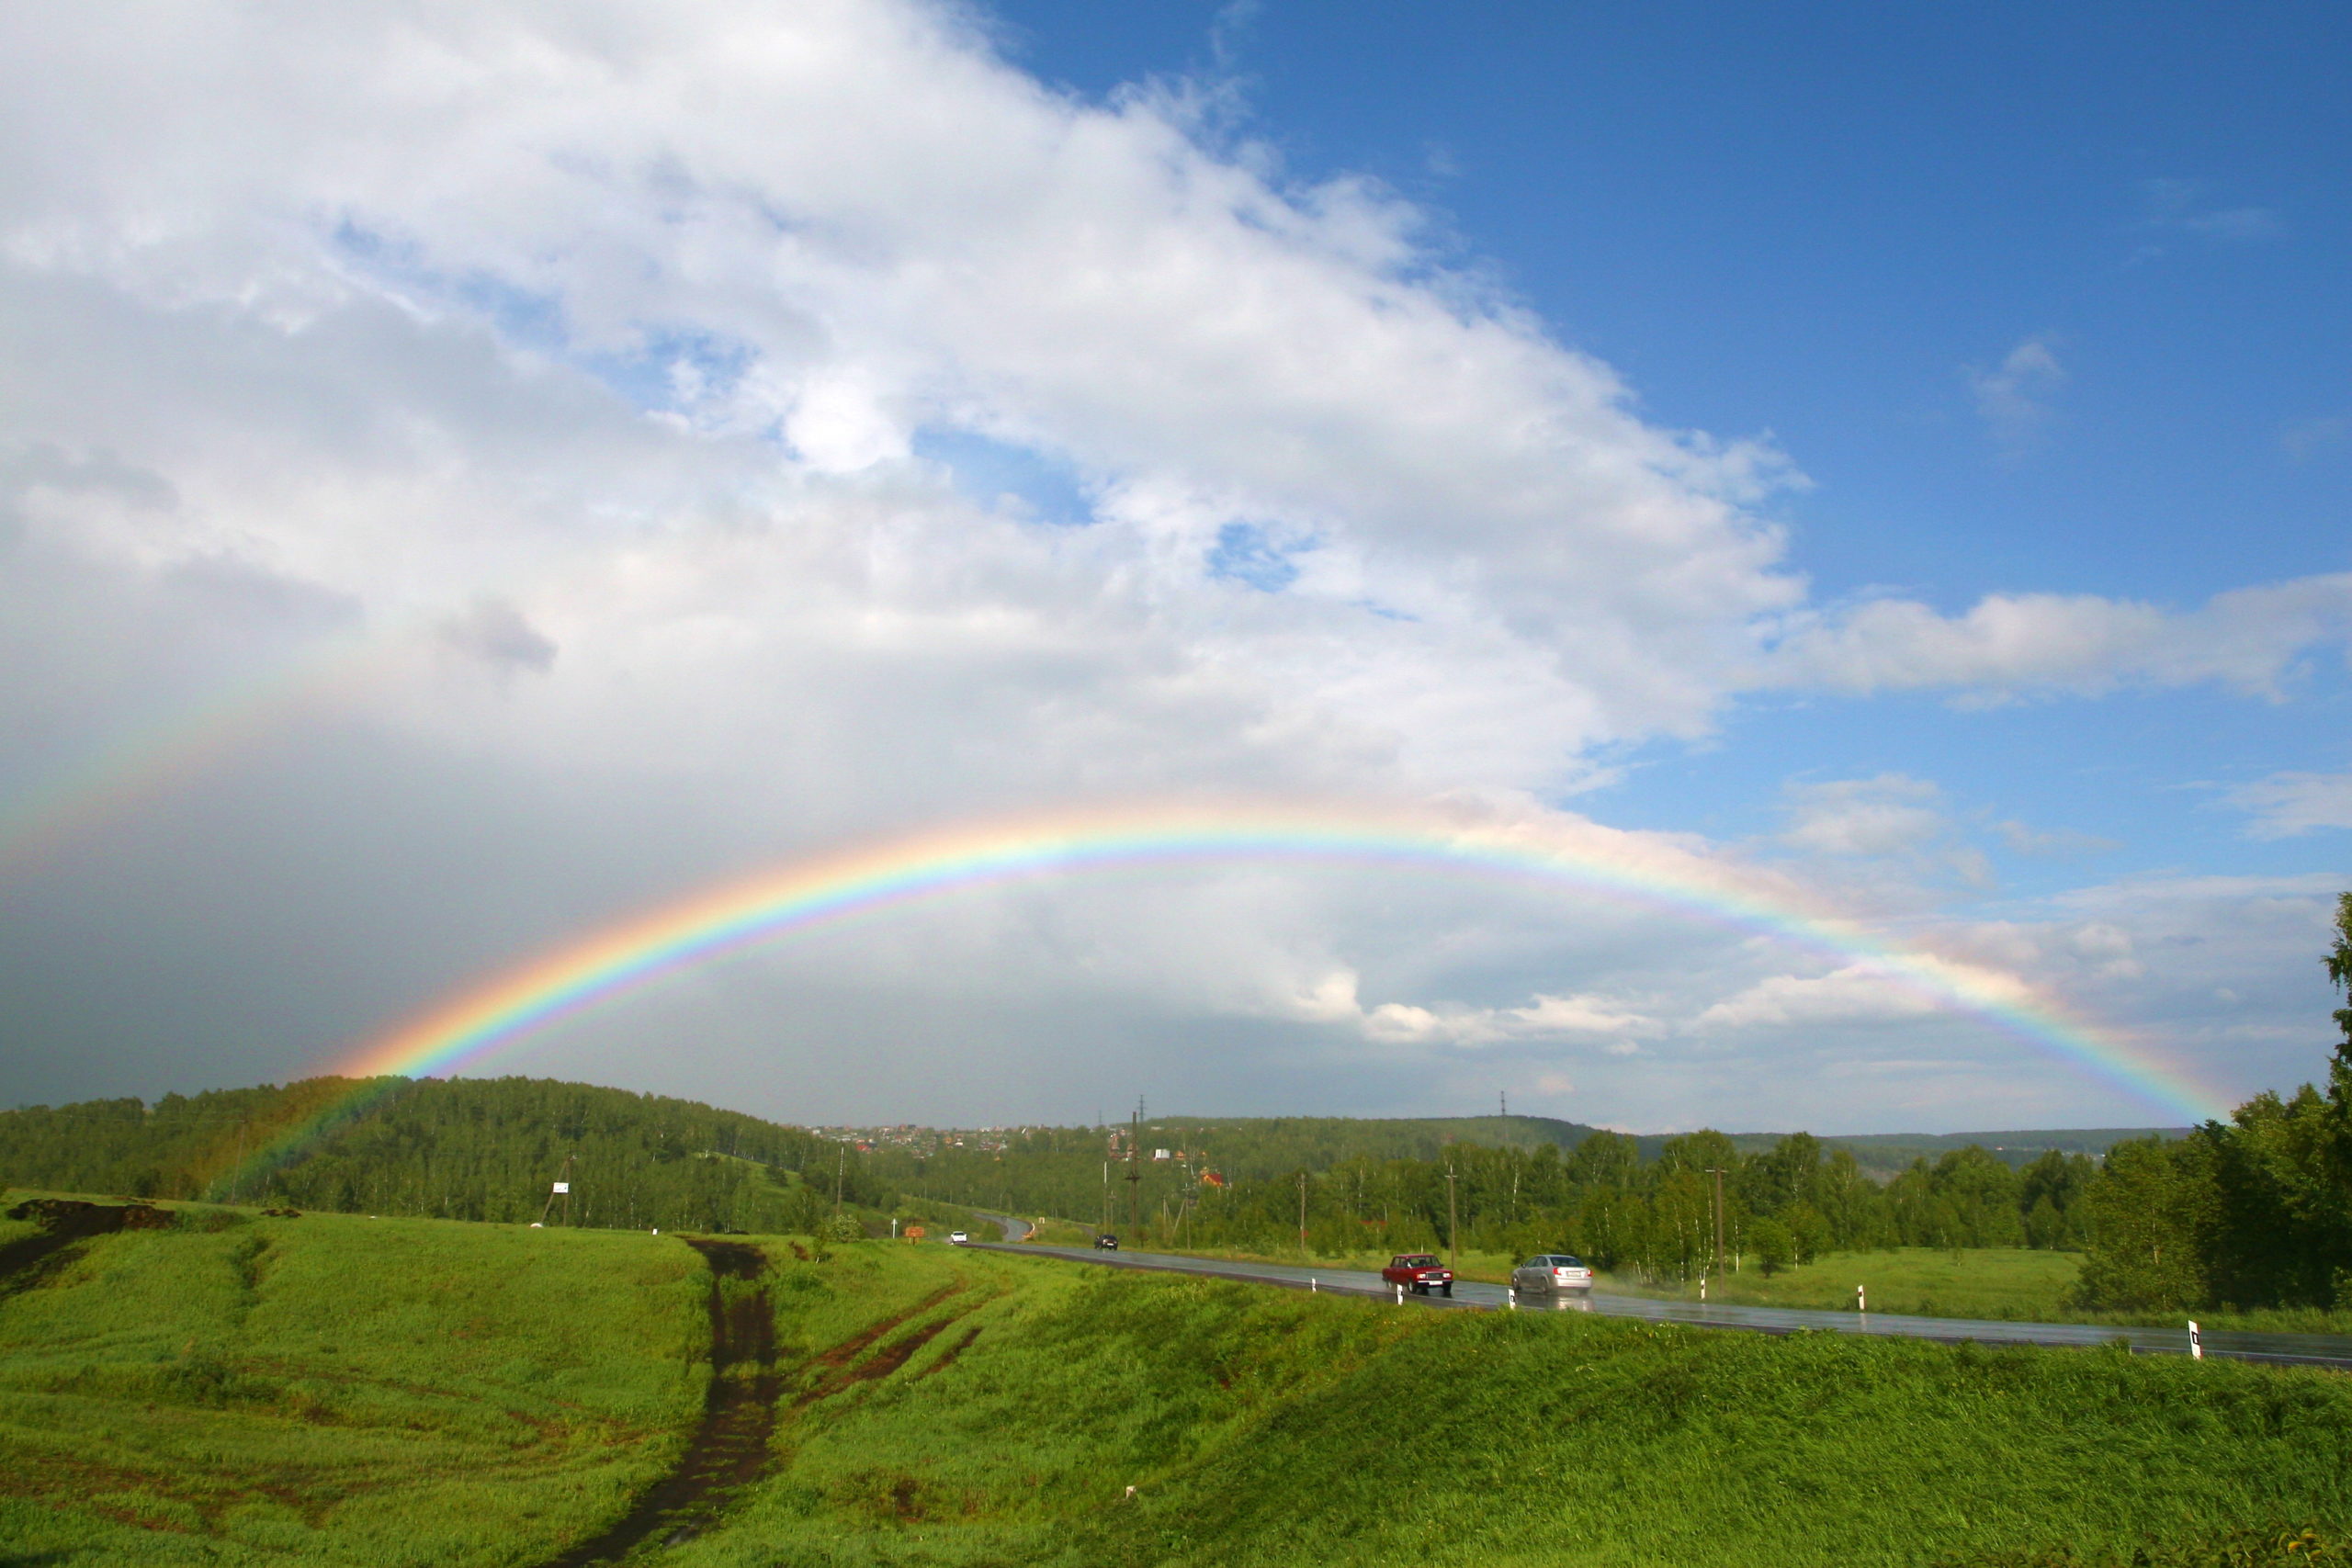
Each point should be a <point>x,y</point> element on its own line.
<point>1417,1260</point>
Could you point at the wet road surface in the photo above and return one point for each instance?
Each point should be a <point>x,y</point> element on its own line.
<point>1014,1229</point>
<point>2295,1350</point>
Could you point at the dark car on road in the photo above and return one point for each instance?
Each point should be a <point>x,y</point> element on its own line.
<point>1106,1244</point>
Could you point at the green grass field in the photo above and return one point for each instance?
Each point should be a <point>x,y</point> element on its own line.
<point>2004,1282</point>
<point>338,1389</point>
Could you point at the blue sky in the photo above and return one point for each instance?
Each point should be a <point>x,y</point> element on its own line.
<point>466,480</point>
<point>1826,223</point>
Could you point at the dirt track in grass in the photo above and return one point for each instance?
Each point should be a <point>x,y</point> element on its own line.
<point>730,1449</point>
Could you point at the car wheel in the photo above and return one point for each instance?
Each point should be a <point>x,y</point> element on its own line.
<point>1447,1289</point>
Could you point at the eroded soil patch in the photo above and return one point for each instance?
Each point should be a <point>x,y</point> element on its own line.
<point>65,1223</point>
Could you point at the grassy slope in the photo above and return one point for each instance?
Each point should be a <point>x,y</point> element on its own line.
<point>490,1391</point>
<point>342,1390</point>
<point>1262,1426</point>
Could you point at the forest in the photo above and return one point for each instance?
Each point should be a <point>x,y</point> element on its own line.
<point>2253,1213</point>
<point>448,1148</point>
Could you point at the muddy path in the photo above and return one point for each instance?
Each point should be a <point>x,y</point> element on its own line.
<point>730,1449</point>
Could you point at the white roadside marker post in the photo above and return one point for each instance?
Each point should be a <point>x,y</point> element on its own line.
<point>1862,1302</point>
<point>1514,1298</point>
<point>1312,1288</point>
<point>1400,1295</point>
<point>1702,1287</point>
<point>2195,1342</point>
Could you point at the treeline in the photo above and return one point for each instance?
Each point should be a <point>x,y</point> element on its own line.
<point>1068,1171</point>
<point>1658,1218</point>
<point>2256,1211</point>
<point>466,1148</point>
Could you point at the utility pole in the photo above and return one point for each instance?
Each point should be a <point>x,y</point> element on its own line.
<point>1452,1226</point>
<point>1720,1217</point>
<point>841,1170</point>
<point>1503,1100</point>
<point>1134,1170</point>
<point>561,1189</point>
<point>1302,1213</point>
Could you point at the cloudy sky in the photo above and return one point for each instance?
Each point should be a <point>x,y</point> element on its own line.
<point>471,473</point>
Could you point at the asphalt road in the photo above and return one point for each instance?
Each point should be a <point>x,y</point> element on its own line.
<point>1014,1229</point>
<point>2296,1349</point>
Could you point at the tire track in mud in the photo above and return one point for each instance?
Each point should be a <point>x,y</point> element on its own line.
<point>947,1357</point>
<point>840,1368</point>
<point>730,1449</point>
<point>886,1361</point>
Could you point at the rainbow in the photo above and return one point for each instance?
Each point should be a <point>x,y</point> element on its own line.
<point>146,759</point>
<point>625,958</point>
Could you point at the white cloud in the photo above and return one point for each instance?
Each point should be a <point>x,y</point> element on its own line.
<point>2179,205</point>
<point>1846,995</point>
<point>803,238</point>
<point>2249,639</point>
<point>2286,804</point>
<point>2013,397</point>
<point>2063,843</point>
<point>1333,999</point>
<point>2305,438</point>
<point>1879,815</point>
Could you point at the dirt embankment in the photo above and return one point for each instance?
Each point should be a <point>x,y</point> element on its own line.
<point>729,1447</point>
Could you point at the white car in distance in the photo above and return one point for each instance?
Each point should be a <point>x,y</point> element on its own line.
<point>1553,1271</point>
<point>956,1238</point>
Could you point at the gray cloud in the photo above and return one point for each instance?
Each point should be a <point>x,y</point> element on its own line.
<point>495,632</point>
<point>339,344</point>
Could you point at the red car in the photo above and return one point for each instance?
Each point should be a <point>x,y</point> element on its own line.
<point>1419,1272</point>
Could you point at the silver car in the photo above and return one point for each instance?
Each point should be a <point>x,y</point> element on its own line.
<point>1551,1272</point>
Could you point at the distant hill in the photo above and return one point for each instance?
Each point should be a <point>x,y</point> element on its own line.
<point>1890,1152</point>
<point>1262,1146</point>
<point>454,1148</point>
<point>489,1148</point>
<point>1256,1146</point>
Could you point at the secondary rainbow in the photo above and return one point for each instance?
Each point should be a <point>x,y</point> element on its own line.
<point>623,959</point>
